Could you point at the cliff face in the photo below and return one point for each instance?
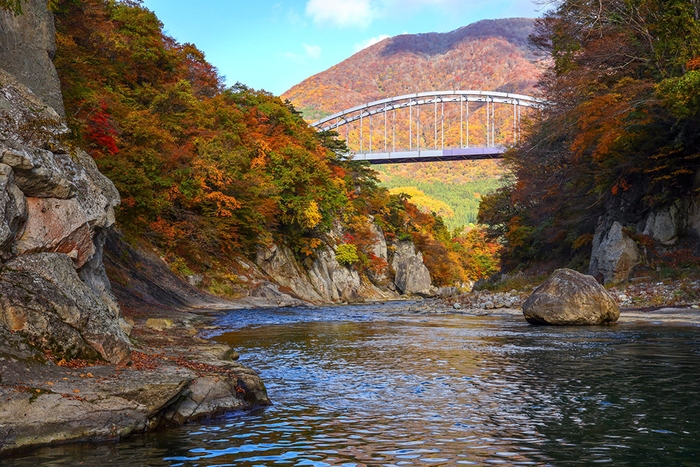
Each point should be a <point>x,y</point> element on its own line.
<point>27,46</point>
<point>55,207</point>
<point>326,280</point>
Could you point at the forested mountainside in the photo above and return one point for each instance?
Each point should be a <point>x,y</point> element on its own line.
<point>207,172</point>
<point>610,170</point>
<point>491,55</point>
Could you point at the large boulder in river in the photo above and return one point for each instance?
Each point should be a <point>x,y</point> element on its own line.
<point>569,297</point>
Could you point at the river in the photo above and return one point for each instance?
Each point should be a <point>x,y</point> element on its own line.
<point>376,385</point>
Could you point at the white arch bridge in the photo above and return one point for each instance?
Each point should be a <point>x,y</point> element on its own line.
<point>432,126</point>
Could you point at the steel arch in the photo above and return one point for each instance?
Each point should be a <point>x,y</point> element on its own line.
<point>423,98</point>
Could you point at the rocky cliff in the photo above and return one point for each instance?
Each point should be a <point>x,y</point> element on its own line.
<point>630,237</point>
<point>55,207</point>
<point>326,280</point>
<point>27,47</point>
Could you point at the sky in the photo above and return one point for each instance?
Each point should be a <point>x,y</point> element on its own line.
<point>275,44</point>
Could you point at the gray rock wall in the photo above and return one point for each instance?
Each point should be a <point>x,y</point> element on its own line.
<point>614,254</point>
<point>412,276</point>
<point>327,281</point>
<point>27,47</point>
<point>55,207</point>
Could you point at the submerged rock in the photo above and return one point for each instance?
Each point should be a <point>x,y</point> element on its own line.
<point>569,297</point>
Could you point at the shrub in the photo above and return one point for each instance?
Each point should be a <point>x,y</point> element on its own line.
<point>346,254</point>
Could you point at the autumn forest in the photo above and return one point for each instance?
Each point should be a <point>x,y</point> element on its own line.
<point>208,172</point>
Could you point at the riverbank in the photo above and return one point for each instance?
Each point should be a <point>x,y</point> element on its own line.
<point>174,377</point>
<point>676,300</point>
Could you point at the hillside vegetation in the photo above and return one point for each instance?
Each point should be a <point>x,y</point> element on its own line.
<point>488,55</point>
<point>620,138</point>
<point>208,172</point>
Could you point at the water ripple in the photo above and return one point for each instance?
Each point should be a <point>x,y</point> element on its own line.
<point>370,386</point>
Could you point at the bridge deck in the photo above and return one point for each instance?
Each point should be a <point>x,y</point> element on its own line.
<point>459,154</point>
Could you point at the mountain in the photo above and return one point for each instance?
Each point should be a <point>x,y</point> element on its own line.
<point>489,55</point>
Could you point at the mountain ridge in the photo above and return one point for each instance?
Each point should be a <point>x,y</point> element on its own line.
<point>489,54</point>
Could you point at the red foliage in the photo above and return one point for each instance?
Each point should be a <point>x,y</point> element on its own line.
<point>101,133</point>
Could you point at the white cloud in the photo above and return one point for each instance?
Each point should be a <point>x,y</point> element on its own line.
<point>312,51</point>
<point>370,42</point>
<point>343,13</point>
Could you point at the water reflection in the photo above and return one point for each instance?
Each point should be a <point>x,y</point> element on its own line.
<point>360,386</point>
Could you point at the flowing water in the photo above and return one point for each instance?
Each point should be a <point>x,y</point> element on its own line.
<point>375,386</point>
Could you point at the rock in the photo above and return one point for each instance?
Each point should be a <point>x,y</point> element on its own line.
<point>457,306</point>
<point>333,281</point>
<point>13,210</point>
<point>94,275</point>
<point>380,249</point>
<point>279,263</point>
<point>209,395</point>
<point>27,47</point>
<point>195,280</point>
<point>57,226</point>
<point>271,292</point>
<point>446,292</point>
<point>114,405</point>
<point>570,298</point>
<point>39,173</point>
<point>159,324</point>
<point>42,296</point>
<point>614,254</point>
<point>324,281</point>
<point>412,276</point>
<point>663,225</point>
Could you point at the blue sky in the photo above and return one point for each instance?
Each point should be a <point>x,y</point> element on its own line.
<point>275,44</point>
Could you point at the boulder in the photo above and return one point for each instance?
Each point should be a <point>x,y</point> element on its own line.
<point>412,276</point>
<point>614,254</point>
<point>57,226</point>
<point>42,297</point>
<point>570,298</point>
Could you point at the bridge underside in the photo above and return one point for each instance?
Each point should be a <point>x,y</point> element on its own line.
<point>403,157</point>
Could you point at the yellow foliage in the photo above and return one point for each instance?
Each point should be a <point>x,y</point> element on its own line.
<point>311,216</point>
<point>425,203</point>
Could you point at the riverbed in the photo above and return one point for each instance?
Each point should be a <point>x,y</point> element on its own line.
<point>378,385</point>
